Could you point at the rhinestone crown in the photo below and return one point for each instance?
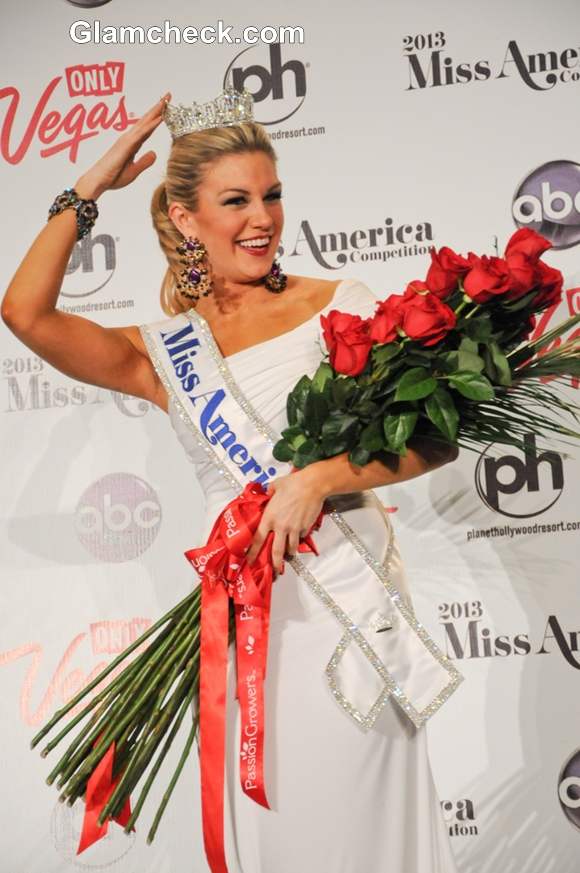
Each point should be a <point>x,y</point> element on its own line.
<point>228,108</point>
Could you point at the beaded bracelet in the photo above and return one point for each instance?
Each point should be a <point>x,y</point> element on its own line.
<point>86,210</point>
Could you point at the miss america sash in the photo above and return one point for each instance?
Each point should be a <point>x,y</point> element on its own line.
<point>235,438</point>
<point>383,650</point>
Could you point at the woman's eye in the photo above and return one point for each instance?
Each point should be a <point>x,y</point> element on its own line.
<point>276,195</point>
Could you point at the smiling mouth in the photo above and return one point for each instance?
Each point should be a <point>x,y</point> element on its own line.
<point>254,247</point>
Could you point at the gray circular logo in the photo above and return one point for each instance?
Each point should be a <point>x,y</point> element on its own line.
<point>88,4</point>
<point>516,486</point>
<point>66,824</point>
<point>261,73</point>
<point>118,517</point>
<point>548,201</point>
<point>569,789</point>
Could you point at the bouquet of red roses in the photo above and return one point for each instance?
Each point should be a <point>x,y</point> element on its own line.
<point>446,360</point>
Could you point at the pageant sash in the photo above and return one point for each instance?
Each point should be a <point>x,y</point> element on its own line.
<point>383,649</point>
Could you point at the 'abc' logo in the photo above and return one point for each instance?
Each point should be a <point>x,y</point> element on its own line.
<point>118,517</point>
<point>281,86</point>
<point>519,494</point>
<point>569,789</point>
<point>548,200</point>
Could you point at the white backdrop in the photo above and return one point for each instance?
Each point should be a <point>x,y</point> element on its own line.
<point>428,122</point>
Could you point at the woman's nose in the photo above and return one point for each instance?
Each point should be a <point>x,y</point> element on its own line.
<point>261,216</point>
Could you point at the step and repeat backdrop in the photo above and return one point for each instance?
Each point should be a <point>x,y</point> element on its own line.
<point>399,127</point>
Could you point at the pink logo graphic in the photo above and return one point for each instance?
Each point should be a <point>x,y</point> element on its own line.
<point>69,677</point>
<point>61,130</point>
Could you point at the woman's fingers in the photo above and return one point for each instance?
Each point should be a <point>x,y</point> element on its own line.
<point>157,108</point>
<point>257,543</point>
<point>279,549</point>
<point>293,540</point>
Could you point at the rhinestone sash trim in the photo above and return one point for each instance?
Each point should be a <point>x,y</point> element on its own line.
<point>352,632</point>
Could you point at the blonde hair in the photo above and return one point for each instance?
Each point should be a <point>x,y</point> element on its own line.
<point>188,158</point>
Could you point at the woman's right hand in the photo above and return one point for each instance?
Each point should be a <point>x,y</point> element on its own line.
<point>117,168</point>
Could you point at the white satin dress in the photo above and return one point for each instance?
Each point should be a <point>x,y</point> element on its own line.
<point>342,800</point>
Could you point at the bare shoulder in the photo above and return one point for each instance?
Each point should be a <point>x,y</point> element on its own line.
<point>316,292</point>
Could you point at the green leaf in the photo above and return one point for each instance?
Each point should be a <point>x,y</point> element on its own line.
<point>414,384</point>
<point>309,452</point>
<point>521,303</point>
<point>469,345</point>
<point>322,375</point>
<point>478,328</point>
<point>504,374</point>
<point>372,436</point>
<point>359,456</point>
<point>456,360</point>
<point>398,427</point>
<point>315,412</point>
<point>295,401</point>
<point>472,385</point>
<point>441,410</point>
<point>342,390</point>
<point>383,353</point>
<point>338,433</point>
<point>365,409</point>
<point>294,436</point>
<point>282,451</point>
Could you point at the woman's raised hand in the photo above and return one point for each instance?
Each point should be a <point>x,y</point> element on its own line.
<point>117,167</point>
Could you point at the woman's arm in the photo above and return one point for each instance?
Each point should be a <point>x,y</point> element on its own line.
<point>297,498</point>
<point>338,476</point>
<point>74,345</point>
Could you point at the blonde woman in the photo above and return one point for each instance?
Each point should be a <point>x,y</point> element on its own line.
<point>349,785</point>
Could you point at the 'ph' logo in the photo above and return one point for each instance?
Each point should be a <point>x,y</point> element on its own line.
<point>527,496</point>
<point>283,83</point>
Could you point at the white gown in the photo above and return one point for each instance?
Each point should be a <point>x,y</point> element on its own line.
<point>342,800</point>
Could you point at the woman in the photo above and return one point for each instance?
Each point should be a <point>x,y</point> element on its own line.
<point>340,800</point>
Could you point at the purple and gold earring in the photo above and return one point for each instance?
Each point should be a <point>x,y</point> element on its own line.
<point>275,281</point>
<point>195,280</point>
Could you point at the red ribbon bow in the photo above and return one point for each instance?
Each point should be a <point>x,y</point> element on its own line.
<point>224,573</point>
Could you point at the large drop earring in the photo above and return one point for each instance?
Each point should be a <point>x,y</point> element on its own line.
<point>275,281</point>
<point>195,279</point>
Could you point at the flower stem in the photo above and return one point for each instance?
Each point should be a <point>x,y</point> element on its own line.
<point>155,769</point>
<point>61,712</point>
<point>167,795</point>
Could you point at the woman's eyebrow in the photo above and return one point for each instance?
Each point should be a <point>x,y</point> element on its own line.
<point>243,190</point>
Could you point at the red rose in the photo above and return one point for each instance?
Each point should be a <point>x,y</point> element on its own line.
<point>550,283</point>
<point>527,242</point>
<point>387,318</point>
<point>416,287</point>
<point>426,318</point>
<point>446,267</point>
<point>348,341</point>
<point>523,274</point>
<point>487,278</point>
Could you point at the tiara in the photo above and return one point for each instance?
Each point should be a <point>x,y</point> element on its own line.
<point>228,108</point>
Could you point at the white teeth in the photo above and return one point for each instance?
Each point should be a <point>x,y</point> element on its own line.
<point>255,243</point>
